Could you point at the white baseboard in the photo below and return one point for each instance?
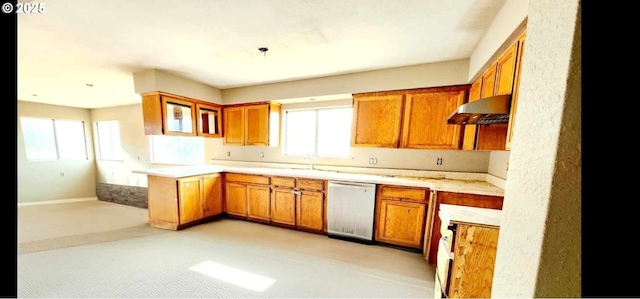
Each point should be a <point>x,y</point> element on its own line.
<point>48,202</point>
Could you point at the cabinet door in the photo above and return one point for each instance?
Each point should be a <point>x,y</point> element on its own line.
<point>209,120</point>
<point>189,199</point>
<point>376,120</point>
<point>258,201</point>
<point>489,82</point>
<point>400,223</point>
<point>516,88</point>
<point>233,127</point>
<point>470,131</point>
<point>236,199</point>
<point>178,117</point>
<point>257,125</point>
<point>490,137</point>
<point>211,195</point>
<point>310,210</point>
<point>462,199</point>
<point>425,118</point>
<point>505,70</point>
<point>283,206</point>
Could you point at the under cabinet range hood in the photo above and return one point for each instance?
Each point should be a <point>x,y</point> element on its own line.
<point>486,111</point>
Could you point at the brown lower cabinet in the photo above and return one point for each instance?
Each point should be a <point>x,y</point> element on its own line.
<point>176,203</point>
<point>294,202</point>
<point>400,214</point>
<point>433,234</point>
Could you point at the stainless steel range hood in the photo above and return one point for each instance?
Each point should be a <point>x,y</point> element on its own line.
<point>486,111</point>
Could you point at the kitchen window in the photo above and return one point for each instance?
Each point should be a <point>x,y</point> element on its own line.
<point>53,139</point>
<point>323,132</point>
<point>108,136</point>
<point>179,150</point>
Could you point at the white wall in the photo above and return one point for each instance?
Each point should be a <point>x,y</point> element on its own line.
<point>423,75</point>
<point>41,180</point>
<point>498,163</point>
<point>512,13</point>
<point>156,80</point>
<point>539,249</point>
<point>135,146</point>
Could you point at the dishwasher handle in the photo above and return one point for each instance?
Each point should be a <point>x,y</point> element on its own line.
<point>349,185</point>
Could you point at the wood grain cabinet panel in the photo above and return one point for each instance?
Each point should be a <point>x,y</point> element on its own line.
<point>236,199</point>
<point>212,195</point>
<point>400,223</point>
<point>474,257</point>
<point>252,124</point>
<point>259,202</point>
<point>505,70</point>
<point>190,201</point>
<point>425,117</point>
<point>516,88</point>
<point>376,119</point>
<point>462,199</point>
<point>178,203</point>
<point>283,206</point>
<point>310,210</point>
<point>233,119</point>
<point>471,131</point>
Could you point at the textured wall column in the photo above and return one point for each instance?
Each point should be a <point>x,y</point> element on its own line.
<point>539,249</point>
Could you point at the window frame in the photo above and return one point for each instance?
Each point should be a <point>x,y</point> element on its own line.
<point>315,147</point>
<point>55,138</point>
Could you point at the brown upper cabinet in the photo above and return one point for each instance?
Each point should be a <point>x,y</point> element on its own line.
<point>209,120</point>
<point>252,124</point>
<point>377,119</point>
<point>168,114</point>
<point>498,79</point>
<point>516,88</point>
<point>425,117</point>
<point>408,118</point>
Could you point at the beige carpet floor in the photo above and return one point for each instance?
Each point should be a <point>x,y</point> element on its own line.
<point>221,259</point>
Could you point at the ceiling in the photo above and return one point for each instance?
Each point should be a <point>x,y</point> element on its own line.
<point>215,42</point>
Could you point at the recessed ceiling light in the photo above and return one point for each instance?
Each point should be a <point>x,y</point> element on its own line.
<point>263,50</point>
<point>89,84</point>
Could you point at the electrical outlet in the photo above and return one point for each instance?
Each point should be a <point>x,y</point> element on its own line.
<point>373,161</point>
<point>439,161</point>
<point>507,168</point>
<point>261,155</point>
<point>62,174</point>
<point>228,154</point>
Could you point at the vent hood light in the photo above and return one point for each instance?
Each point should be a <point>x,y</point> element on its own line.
<point>486,111</point>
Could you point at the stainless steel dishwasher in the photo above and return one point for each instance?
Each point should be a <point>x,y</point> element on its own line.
<point>350,211</point>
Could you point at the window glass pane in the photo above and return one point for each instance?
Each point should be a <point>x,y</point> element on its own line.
<point>164,149</point>
<point>70,138</point>
<point>300,133</point>
<point>191,150</point>
<point>334,132</point>
<point>108,133</point>
<point>179,118</point>
<point>176,149</point>
<point>39,138</point>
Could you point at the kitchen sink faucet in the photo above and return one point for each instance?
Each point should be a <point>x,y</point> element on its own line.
<point>310,158</point>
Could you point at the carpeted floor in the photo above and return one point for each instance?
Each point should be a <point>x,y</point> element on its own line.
<point>221,259</point>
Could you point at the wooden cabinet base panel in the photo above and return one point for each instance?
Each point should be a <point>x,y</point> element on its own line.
<point>302,229</point>
<point>172,226</point>
<point>410,249</point>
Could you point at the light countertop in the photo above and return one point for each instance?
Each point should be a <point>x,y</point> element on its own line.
<point>469,215</point>
<point>439,184</point>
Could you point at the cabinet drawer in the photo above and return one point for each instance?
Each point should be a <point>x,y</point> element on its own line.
<point>283,182</point>
<point>247,178</point>
<point>310,184</point>
<point>404,193</point>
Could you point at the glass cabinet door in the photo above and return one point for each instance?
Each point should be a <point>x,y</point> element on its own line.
<point>209,120</point>
<point>178,117</point>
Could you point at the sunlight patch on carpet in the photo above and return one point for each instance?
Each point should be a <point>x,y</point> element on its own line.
<point>234,276</point>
